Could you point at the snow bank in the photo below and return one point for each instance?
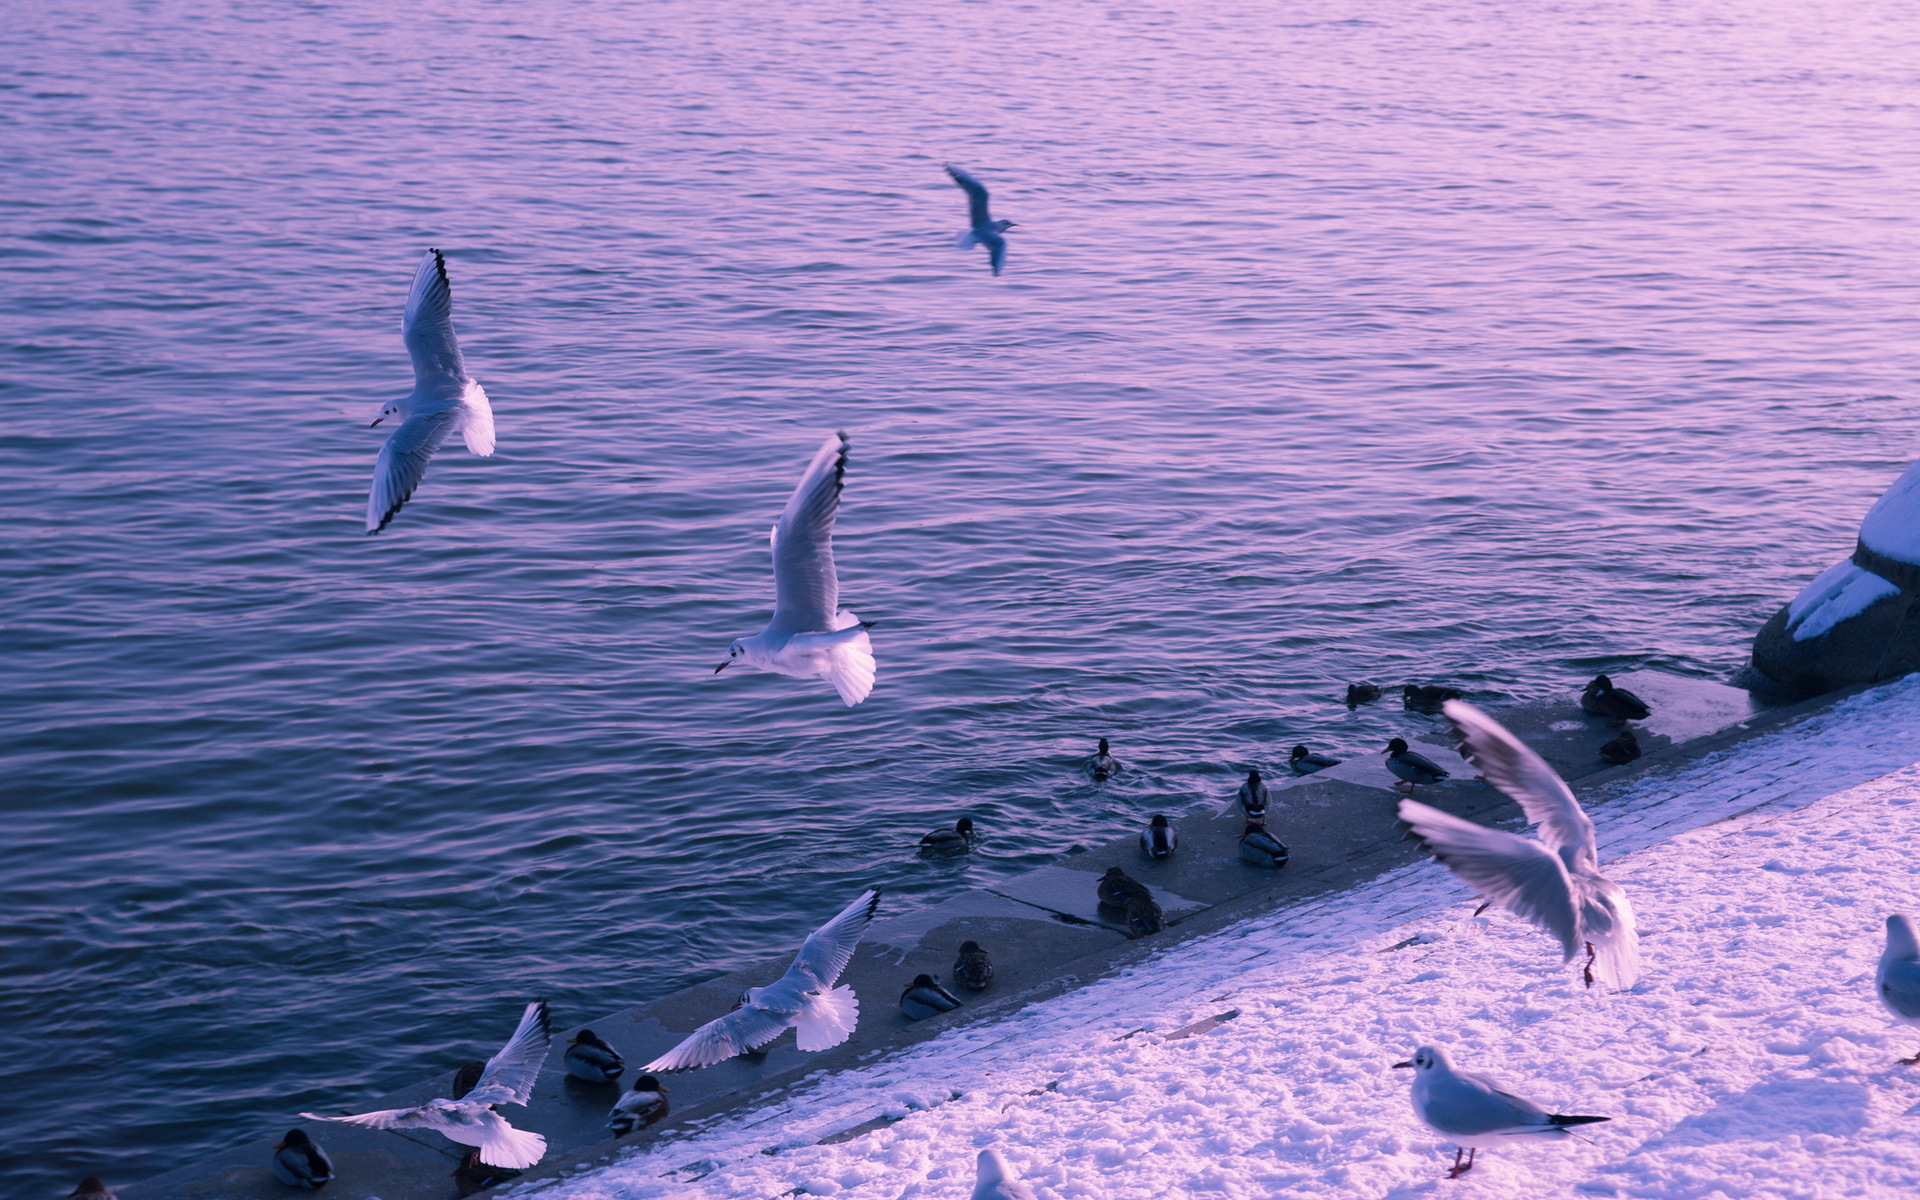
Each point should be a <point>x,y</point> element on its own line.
<point>1892,526</point>
<point>1753,1059</point>
<point>1841,591</point>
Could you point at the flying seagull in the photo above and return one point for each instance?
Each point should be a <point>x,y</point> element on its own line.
<point>444,397</point>
<point>471,1121</point>
<point>822,1015</point>
<point>811,636</point>
<point>1471,1111</point>
<point>985,230</point>
<point>1555,882</point>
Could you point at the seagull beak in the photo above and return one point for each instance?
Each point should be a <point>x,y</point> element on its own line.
<point>376,421</point>
<point>1397,1066</point>
<point>721,667</point>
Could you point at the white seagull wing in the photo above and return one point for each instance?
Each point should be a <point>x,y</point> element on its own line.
<point>403,463</point>
<point>806,588</point>
<point>723,1037</point>
<point>1520,875</point>
<point>427,326</point>
<point>509,1076</point>
<point>829,948</point>
<point>1511,766</point>
<point>424,1117</point>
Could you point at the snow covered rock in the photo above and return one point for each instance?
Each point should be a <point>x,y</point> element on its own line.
<point>1890,534</point>
<point>1849,626</point>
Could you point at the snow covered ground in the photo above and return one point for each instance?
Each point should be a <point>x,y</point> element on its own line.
<point>1752,1059</point>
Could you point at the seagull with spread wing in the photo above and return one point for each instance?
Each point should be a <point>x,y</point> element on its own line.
<point>1555,883</point>
<point>984,231</point>
<point>471,1121</point>
<point>444,399</point>
<point>810,635</point>
<point>805,998</point>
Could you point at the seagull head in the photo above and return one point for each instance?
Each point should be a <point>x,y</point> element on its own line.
<point>1002,226</point>
<point>1426,1058</point>
<point>1396,746</point>
<point>390,409</point>
<point>734,652</point>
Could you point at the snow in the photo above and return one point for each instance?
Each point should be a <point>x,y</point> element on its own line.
<point>1892,526</point>
<point>1841,591</point>
<point>1753,1058</point>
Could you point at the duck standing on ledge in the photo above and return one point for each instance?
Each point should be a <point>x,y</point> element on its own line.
<point>1103,765</point>
<point>299,1162</point>
<point>1623,749</point>
<point>1415,697</point>
<point>1262,849</point>
<point>924,998</point>
<point>973,969</point>
<point>1117,887</point>
<point>1144,915</point>
<point>1602,699</point>
<point>1306,762</point>
<point>1413,769</point>
<point>644,1104</point>
<point>593,1060</point>
<point>949,843</point>
<point>1254,798</point>
<point>1157,840</point>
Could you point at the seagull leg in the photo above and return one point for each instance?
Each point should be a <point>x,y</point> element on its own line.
<point>1484,906</point>
<point>1458,1169</point>
<point>1589,970</point>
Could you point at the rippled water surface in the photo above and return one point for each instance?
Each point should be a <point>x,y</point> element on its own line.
<point>1492,344</point>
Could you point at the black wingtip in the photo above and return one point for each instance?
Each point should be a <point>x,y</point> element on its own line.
<point>1558,1119</point>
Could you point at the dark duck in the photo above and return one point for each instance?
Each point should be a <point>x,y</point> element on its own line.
<point>1602,699</point>
<point>1306,762</point>
<point>1412,769</point>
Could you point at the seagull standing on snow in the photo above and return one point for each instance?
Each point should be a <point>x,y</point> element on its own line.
<point>1898,979</point>
<point>995,1180</point>
<point>985,230</point>
<point>1471,1111</point>
<point>444,397</point>
<point>1555,882</point>
<point>471,1121</point>
<point>805,998</point>
<point>811,636</point>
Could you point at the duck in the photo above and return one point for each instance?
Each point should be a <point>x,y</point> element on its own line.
<point>1117,887</point>
<point>643,1105</point>
<point>91,1189</point>
<point>472,1175</point>
<point>1410,767</point>
<point>1103,765</point>
<point>924,998</point>
<point>1261,848</point>
<point>465,1079</point>
<point>1623,749</point>
<point>1415,697</point>
<point>973,969</point>
<point>1306,762</point>
<point>1158,839</point>
<point>1144,915</point>
<point>1362,693</point>
<point>949,843</point>
<point>593,1060</point>
<point>1602,699</point>
<point>1254,798</point>
<point>298,1161</point>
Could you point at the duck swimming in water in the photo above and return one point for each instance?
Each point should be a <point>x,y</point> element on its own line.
<point>1425,698</point>
<point>1602,699</point>
<point>973,969</point>
<point>593,1060</point>
<point>1103,765</point>
<point>643,1105</point>
<point>1262,849</point>
<point>1623,749</point>
<point>1254,798</point>
<point>1117,887</point>
<point>949,843</point>
<point>1413,769</point>
<point>1362,693</point>
<point>299,1162</point>
<point>1305,762</point>
<point>1158,840</point>
<point>924,998</point>
<point>90,1189</point>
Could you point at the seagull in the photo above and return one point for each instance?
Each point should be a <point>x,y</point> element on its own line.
<point>986,231</point>
<point>995,1180</point>
<point>1410,767</point>
<point>1898,979</point>
<point>1603,699</point>
<point>1554,882</point>
<point>298,1161</point>
<point>472,1122</point>
<point>444,397</point>
<point>1158,840</point>
<point>644,1104</point>
<point>1471,1111</point>
<point>593,1060</point>
<point>811,636</point>
<point>805,998</point>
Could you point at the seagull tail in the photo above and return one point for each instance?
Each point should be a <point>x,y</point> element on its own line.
<point>967,240</point>
<point>850,666</point>
<point>826,1019</point>
<point>476,420</point>
<point>519,1149</point>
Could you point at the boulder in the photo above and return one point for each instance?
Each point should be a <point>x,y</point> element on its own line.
<point>1890,534</point>
<point>1849,626</point>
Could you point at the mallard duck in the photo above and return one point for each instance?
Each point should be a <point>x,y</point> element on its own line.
<point>643,1105</point>
<point>465,1078</point>
<point>1261,848</point>
<point>1103,765</point>
<point>472,1175</point>
<point>1158,839</point>
<point>298,1161</point>
<point>1305,762</point>
<point>924,998</point>
<point>1623,749</point>
<point>1410,767</point>
<point>949,843</point>
<point>1117,887</point>
<point>90,1189</point>
<point>973,969</point>
<point>1427,698</point>
<point>1254,797</point>
<point>593,1060</point>
<point>1144,915</point>
<point>1605,700</point>
<point>1362,693</point>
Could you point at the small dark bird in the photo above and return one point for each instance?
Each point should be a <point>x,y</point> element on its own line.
<point>1103,765</point>
<point>90,1189</point>
<point>1362,693</point>
<point>643,1105</point>
<point>1144,915</point>
<point>593,1060</point>
<point>1158,840</point>
<point>1427,699</point>
<point>466,1078</point>
<point>1410,767</point>
<point>472,1175</point>
<point>1117,887</point>
<point>983,229</point>
<point>924,998</point>
<point>1623,749</point>
<point>973,969</point>
<point>1605,700</point>
<point>949,843</point>
<point>1305,762</point>
<point>1254,798</point>
<point>299,1162</point>
<point>1261,848</point>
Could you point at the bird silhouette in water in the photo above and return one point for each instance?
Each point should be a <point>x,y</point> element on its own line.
<point>982,230</point>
